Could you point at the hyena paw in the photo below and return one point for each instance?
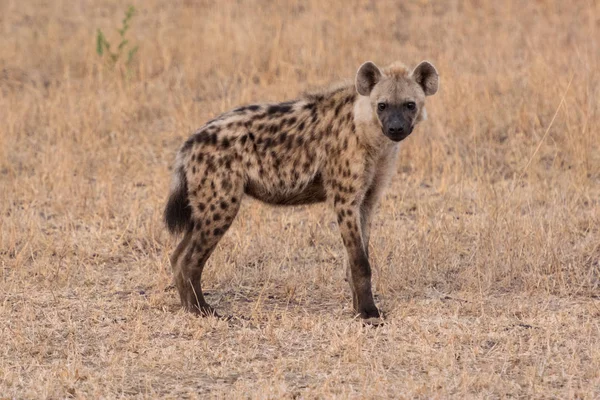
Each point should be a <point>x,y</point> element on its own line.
<point>371,317</point>
<point>203,311</point>
<point>368,313</point>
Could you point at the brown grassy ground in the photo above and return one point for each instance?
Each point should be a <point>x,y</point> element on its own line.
<point>486,249</point>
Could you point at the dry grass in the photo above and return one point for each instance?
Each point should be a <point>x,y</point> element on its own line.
<point>486,251</point>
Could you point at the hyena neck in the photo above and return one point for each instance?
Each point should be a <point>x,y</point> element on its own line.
<point>332,109</point>
<point>341,112</point>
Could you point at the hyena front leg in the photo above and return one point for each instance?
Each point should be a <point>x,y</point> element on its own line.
<point>367,210</point>
<point>349,221</point>
<point>381,179</point>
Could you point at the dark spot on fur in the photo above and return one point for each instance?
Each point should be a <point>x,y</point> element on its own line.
<point>199,137</point>
<point>217,231</point>
<point>353,237</point>
<point>224,205</point>
<point>188,144</point>
<point>279,109</point>
<point>225,143</point>
<point>251,136</point>
<point>243,139</point>
<point>217,217</point>
<point>301,126</point>
<point>290,143</point>
<point>234,200</point>
<point>282,137</point>
<point>201,206</point>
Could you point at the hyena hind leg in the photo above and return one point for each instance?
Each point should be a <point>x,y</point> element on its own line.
<point>211,219</point>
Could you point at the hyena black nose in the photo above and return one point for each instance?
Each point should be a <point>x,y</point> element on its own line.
<point>395,130</point>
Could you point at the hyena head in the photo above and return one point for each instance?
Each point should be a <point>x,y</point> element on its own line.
<point>397,96</point>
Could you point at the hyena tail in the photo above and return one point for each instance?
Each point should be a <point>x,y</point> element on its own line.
<point>178,213</point>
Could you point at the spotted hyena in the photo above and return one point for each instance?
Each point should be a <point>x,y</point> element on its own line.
<point>338,145</point>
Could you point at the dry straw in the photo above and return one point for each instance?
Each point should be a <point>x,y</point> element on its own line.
<point>488,271</point>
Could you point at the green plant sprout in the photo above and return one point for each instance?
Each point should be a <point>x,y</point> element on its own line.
<point>103,45</point>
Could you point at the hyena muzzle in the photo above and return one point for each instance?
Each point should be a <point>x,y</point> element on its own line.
<point>338,145</point>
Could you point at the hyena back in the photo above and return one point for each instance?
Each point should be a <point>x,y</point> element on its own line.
<point>338,145</point>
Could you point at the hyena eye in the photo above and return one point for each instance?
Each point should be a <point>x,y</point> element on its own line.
<point>411,105</point>
<point>381,106</point>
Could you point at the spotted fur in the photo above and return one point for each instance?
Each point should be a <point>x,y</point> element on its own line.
<point>336,145</point>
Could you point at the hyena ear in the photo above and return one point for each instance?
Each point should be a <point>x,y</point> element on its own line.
<point>427,77</point>
<point>366,78</point>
